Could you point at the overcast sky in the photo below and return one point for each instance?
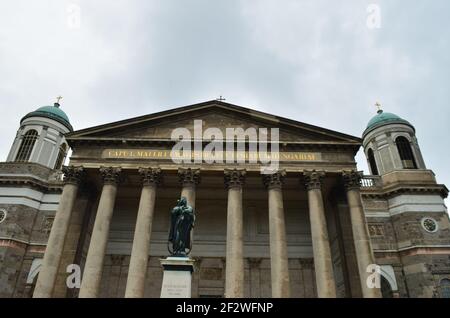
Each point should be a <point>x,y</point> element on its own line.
<point>318,62</point>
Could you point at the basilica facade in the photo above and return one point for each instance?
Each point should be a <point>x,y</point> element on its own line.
<point>315,227</point>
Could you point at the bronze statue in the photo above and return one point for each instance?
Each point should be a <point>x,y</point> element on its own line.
<point>181,223</point>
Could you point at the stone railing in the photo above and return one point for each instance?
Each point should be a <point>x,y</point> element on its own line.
<point>25,169</point>
<point>56,175</point>
<point>371,182</point>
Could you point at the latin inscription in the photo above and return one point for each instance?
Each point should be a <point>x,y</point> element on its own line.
<point>168,155</point>
<point>176,290</point>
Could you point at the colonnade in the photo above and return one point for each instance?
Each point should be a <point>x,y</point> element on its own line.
<point>189,178</point>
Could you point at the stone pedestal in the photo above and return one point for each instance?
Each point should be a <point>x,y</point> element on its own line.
<point>177,279</point>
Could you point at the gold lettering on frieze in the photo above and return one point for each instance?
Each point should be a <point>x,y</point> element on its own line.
<point>165,154</point>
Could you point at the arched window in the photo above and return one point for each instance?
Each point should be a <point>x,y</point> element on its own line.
<point>386,290</point>
<point>405,152</point>
<point>61,156</point>
<point>372,162</point>
<point>445,288</point>
<point>26,147</point>
<point>33,274</point>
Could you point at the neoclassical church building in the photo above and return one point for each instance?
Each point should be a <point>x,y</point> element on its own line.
<point>314,228</point>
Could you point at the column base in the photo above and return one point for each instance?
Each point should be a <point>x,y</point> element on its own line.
<point>177,278</point>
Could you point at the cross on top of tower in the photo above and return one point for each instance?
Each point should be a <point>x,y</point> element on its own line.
<point>57,100</point>
<point>220,99</point>
<point>378,106</point>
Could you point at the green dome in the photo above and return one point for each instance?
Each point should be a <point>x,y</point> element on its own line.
<point>382,119</point>
<point>52,112</point>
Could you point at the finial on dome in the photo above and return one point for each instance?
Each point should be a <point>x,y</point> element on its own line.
<point>57,101</point>
<point>378,106</point>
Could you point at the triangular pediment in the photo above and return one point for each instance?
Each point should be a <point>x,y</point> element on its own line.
<point>213,114</point>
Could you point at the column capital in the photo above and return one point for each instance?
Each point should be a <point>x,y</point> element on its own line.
<point>150,176</point>
<point>234,177</point>
<point>274,180</point>
<point>111,175</point>
<point>313,179</point>
<point>73,174</point>
<point>352,179</point>
<point>189,176</point>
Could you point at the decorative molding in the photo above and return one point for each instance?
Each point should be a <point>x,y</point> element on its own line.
<point>352,179</point>
<point>13,244</point>
<point>189,176</point>
<point>417,250</point>
<point>3,215</point>
<point>51,187</point>
<point>111,175</point>
<point>377,214</point>
<point>47,224</point>
<point>3,238</point>
<point>150,176</point>
<point>376,229</point>
<point>56,176</point>
<point>440,190</point>
<point>39,249</point>
<point>73,174</point>
<point>234,178</point>
<point>274,180</point>
<point>313,179</point>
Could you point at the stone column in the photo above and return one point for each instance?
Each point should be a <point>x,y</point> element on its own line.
<point>90,284</point>
<point>363,248</point>
<point>234,271</point>
<point>189,178</point>
<point>323,265</point>
<point>141,242</point>
<point>70,254</point>
<point>52,257</point>
<point>277,229</point>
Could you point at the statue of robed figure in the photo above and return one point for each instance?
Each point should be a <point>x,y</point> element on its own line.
<point>181,223</point>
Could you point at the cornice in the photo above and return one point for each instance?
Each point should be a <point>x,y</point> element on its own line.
<point>222,106</point>
<point>114,141</point>
<point>404,189</point>
<point>54,186</point>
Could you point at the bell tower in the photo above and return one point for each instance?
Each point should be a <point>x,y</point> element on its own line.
<point>40,137</point>
<point>30,191</point>
<point>404,207</point>
<point>390,144</point>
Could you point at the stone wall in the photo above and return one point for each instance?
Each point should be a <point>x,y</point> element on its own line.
<point>208,279</point>
<point>15,233</point>
<point>420,258</point>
